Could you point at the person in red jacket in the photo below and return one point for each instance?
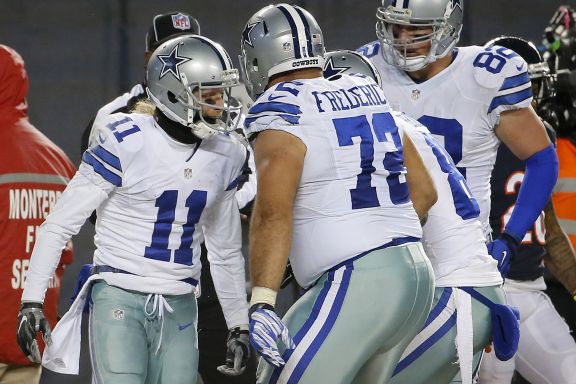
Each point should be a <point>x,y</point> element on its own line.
<point>33,174</point>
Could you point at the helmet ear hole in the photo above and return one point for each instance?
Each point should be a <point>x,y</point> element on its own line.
<point>172,97</point>
<point>255,64</point>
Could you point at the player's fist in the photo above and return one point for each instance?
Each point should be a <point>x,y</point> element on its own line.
<point>31,320</point>
<point>238,352</point>
<point>265,330</point>
<point>502,250</point>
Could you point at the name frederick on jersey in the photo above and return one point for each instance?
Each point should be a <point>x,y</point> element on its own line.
<point>346,99</point>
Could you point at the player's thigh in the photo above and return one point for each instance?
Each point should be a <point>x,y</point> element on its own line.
<point>350,314</point>
<point>547,352</point>
<point>432,353</point>
<point>173,352</point>
<point>118,342</point>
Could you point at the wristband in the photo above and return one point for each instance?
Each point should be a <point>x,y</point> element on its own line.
<point>263,295</point>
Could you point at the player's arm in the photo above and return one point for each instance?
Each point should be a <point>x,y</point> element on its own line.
<point>279,160</point>
<point>560,257</point>
<point>522,131</point>
<point>422,189</point>
<point>223,236</point>
<point>75,205</point>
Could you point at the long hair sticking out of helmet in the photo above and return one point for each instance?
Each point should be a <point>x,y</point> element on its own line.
<point>181,71</point>
<point>278,38</point>
<point>443,16</point>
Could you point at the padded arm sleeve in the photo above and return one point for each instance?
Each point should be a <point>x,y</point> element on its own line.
<point>539,180</point>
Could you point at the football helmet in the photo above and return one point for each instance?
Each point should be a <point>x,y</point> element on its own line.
<point>443,16</point>
<point>344,61</point>
<point>538,70</point>
<point>183,66</point>
<point>279,38</point>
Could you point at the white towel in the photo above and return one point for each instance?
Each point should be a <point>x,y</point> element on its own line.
<point>63,355</point>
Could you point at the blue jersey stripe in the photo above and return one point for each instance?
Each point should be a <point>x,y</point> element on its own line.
<point>515,81</point>
<point>306,31</point>
<point>234,183</point>
<point>100,169</point>
<point>275,107</point>
<point>107,157</point>
<point>288,118</point>
<point>510,99</point>
<point>451,322</point>
<point>294,30</point>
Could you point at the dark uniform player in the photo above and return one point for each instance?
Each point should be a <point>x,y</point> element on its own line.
<point>546,350</point>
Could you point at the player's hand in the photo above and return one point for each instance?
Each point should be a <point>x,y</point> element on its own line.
<point>31,320</point>
<point>237,354</point>
<point>265,329</point>
<point>502,250</point>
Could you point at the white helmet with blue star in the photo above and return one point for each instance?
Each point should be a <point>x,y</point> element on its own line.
<point>180,70</point>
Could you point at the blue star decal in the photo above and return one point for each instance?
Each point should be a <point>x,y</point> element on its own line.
<point>330,70</point>
<point>246,34</point>
<point>171,62</point>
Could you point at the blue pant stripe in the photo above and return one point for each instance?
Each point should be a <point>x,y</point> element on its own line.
<point>437,310</point>
<point>313,315</point>
<point>426,344</point>
<point>325,330</point>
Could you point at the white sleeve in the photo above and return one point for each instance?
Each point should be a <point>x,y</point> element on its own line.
<point>80,198</point>
<point>223,236</point>
<point>248,191</point>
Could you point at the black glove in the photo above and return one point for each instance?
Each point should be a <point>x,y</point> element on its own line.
<point>237,354</point>
<point>31,320</point>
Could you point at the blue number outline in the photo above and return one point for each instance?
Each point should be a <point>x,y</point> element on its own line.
<point>365,195</point>
<point>166,203</point>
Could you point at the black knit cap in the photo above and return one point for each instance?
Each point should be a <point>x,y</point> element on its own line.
<point>168,25</point>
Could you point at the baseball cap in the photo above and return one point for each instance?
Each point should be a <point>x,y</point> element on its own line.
<point>168,25</point>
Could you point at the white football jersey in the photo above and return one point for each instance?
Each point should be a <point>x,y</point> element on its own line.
<point>461,106</point>
<point>161,199</point>
<point>353,195</point>
<point>452,236</point>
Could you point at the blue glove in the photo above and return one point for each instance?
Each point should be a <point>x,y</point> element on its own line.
<point>502,250</point>
<point>265,329</point>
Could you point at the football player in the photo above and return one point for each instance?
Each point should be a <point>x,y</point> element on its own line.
<point>459,327</point>
<point>547,352</point>
<point>471,98</point>
<point>162,179</point>
<point>333,197</point>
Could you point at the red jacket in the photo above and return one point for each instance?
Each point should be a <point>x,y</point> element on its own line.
<point>33,174</point>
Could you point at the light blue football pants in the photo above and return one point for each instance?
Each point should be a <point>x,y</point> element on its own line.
<point>133,341</point>
<point>354,323</point>
<point>432,356</point>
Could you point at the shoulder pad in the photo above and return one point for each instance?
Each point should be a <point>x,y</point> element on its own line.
<point>280,101</point>
<point>369,50</point>
<point>498,67</point>
<point>124,130</point>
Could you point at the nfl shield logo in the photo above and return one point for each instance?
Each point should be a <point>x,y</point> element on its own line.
<point>180,21</point>
<point>287,46</point>
<point>118,314</point>
<point>188,173</point>
<point>415,94</point>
